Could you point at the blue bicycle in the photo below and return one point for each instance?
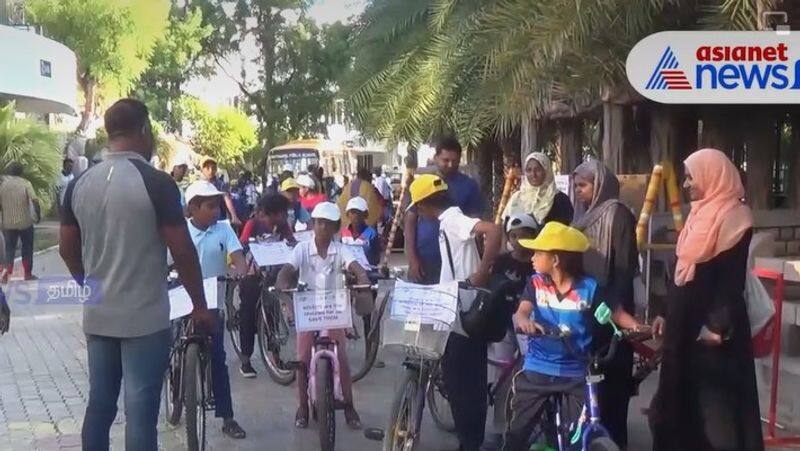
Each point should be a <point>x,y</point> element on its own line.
<point>587,432</point>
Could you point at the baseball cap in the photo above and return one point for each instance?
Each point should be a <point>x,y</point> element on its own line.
<point>424,186</point>
<point>521,221</point>
<point>201,188</point>
<point>288,184</point>
<point>305,180</point>
<point>326,210</point>
<point>357,203</point>
<point>558,237</point>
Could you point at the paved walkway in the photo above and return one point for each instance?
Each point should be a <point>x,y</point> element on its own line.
<point>44,387</point>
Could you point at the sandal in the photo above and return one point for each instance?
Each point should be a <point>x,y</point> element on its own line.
<point>351,417</point>
<point>301,418</point>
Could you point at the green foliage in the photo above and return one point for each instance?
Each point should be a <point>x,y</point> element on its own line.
<point>176,58</point>
<point>112,38</point>
<point>480,68</point>
<point>224,133</point>
<point>35,147</point>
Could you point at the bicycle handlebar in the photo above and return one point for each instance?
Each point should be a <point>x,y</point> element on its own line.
<point>305,288</point>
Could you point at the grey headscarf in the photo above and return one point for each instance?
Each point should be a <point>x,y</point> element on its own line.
<point>597,221</point>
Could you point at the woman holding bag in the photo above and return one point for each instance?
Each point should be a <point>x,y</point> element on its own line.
<point>707,398</point>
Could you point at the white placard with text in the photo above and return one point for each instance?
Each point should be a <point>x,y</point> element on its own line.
<point>271,254</point>
<point>180,304</point>
<point>322,309</point>
<point>425,304</point>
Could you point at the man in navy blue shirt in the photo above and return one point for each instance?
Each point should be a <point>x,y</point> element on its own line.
<point>422,235</point>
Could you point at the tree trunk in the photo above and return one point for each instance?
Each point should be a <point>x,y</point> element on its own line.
<point>89,92</point>
<point>673,135</point>
<point>569,142</point>
<point>793,174</point>
<point>761,150</point>
<point>533,136</point>
<point>616,131</point>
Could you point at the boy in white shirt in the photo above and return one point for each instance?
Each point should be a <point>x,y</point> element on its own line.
<point>464,363</point>
<point>319,264</point>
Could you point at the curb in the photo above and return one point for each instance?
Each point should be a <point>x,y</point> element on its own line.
<point>39,252</point>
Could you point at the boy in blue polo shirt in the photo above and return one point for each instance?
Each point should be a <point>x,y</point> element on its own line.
<point>216,242</point>
<point>558,297</point>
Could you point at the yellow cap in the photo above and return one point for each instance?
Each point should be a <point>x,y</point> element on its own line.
<point>424,186</point>
<point>288,184</point>
<point>558,237</point>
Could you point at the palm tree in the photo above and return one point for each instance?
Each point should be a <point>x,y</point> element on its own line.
<point>33,145</point>
<point>483,67</point>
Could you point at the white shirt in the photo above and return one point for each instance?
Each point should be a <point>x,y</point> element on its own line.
<point>460,232</point>
<point>383,187</point>
<point>317,272</point>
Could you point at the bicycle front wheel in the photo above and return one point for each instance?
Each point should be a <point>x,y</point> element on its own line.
<point>233,308</point>
<point>603,444</point>
<point>326,415</point>
<point>173,399</point>
<point>276,340</point>
<point>401,433</point>
<point>438,404</point>
<point>193,383</point>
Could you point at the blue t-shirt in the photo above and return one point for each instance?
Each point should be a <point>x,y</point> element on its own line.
<point>368,239</point>
<point>466,195</point>
<point>214,244</point>
<point>561,357</point>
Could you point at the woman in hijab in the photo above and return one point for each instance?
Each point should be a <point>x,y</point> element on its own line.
<point>707,398</point>
<point>613,261</point>
<point>538,195</point>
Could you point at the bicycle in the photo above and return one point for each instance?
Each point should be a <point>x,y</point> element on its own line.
<point>273,331</point>
<point>423,337</point>
<point>187,383</point>
<point>324,386</point>
<point>587,429</point>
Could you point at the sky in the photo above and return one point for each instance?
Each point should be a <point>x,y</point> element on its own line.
<point>220,89</point>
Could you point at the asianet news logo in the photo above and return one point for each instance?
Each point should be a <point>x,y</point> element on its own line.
<point>719,67</point>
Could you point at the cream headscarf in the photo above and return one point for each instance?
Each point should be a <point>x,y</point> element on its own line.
<point>534,200</point>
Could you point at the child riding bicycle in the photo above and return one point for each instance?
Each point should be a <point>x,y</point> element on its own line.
<point>318,264</point>
<point>215,242</point>
<point>559,296</point>
<point>271,218</point>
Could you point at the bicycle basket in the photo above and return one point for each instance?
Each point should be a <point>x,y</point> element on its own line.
<point>420,319</point>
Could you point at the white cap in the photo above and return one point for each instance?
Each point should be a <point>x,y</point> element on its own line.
<point>326,210</point>
<point>305,180</point>
<point>357,203</point>
<point>521,221</point>
<point>201,188</point>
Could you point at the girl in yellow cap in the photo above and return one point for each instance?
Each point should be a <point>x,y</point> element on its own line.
<point>558,297</point>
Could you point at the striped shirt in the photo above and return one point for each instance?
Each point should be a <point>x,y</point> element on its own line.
<point>16,195</point>
<point>565,357</point>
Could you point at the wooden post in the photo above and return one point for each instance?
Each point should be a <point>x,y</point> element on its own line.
<point>534,135</point>
<point>569,140</point>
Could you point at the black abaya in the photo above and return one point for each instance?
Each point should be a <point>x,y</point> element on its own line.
<point>707,398</point>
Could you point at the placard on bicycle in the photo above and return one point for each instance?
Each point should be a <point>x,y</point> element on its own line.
<point>322,309</point>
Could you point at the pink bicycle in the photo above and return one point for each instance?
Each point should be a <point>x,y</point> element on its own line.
<point>324,382</point>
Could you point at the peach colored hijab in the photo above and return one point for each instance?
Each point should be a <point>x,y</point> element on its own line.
<point>717,221</point>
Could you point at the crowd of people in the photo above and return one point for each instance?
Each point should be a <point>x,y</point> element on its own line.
<point>564,258</point>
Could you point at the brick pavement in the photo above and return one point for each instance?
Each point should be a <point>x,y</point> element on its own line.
<point>44,387</point>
